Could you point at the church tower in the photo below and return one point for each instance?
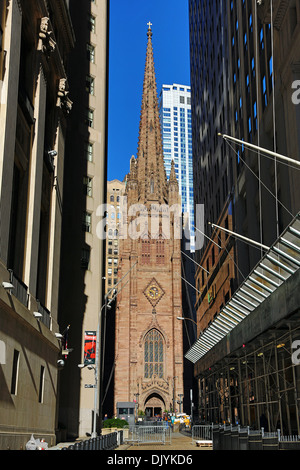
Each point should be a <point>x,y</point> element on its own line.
<point>149,352</point>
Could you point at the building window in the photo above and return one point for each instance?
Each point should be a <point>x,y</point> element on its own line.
<point>92,23</point>
<point>160,252</point>
<point>146,251</point>
<point>90,53</point>
<point>86,221</point>
<point>154,354</point>
<point>90,84</point>
<point>87,185</point>
<point>89,117</point>
<point>42,382</point>
<point>15,373</point>
<point>89,151</point>
<point>85,258</point>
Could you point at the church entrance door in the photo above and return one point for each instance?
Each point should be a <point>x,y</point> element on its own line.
<point>154,405</point>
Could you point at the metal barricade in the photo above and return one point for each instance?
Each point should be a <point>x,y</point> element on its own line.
<point>255,439</point>
<point>202,432</point>
<point>106,442</point>
<point>147,434</point>
<point>289,442</point>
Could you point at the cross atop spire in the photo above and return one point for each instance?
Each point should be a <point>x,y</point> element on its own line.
<point>149,24</point>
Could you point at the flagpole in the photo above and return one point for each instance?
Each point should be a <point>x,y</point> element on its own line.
<point>246,239</point>
<point>255,147</point>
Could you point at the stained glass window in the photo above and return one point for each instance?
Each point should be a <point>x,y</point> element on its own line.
<point>154,354</point>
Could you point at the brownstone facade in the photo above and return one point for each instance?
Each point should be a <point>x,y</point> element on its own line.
<point>215,279</point>
<point>149,356</point>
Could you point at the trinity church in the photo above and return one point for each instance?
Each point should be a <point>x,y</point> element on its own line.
<point>148,348</point>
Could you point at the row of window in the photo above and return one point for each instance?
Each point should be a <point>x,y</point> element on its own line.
<point>112,269</point>
<point>113,198</point>
<point>159,252</point>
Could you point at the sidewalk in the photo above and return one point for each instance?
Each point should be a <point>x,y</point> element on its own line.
<point>179,441</point>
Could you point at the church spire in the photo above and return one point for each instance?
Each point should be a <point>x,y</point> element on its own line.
<point>151,173</point>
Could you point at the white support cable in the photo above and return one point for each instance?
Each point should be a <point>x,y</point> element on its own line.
<point>190,307</point>
<point>195,262</point>
<point>114,288</point>
<point>250,169</point>
<point>221,248</point>
<point>190,285</point>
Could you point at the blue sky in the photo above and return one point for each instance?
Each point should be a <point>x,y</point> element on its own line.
<point>127,54</point>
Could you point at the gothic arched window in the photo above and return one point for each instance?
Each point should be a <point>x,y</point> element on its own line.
<point>154,354</point>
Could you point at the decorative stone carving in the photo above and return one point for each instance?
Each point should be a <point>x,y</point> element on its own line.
<point>157,383</point>
<point>153,292</point>
<point>154,324</point>
<point>63,101</point>
<point>46,43</point>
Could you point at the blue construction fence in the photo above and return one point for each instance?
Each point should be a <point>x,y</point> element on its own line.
<point>104,442</point>
<point>228,437</point>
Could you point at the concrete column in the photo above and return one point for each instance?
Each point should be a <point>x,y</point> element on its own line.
<point>8,118</point>
<point>35,188</point>
<point>52,289</point>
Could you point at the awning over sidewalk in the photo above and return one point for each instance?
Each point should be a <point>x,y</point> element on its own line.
<point>280,262</point>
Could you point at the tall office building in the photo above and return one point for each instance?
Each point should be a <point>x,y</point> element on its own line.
<point>212,166</point>
<point>83,250</point>
<point>115,193</point>
<point>36,38</point>
<point>232,77</point>
<point>176,124</point>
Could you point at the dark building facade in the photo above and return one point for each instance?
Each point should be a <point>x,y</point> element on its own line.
<point>258,45</point>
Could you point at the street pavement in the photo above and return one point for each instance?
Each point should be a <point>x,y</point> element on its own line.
<point>179,441</point>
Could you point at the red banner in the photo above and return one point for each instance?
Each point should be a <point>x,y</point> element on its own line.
<point>90,347</point>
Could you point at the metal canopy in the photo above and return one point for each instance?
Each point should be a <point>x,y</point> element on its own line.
<point>280,262</point>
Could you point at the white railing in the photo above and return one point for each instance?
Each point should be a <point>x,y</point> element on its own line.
<point>202,432</point>
<point>147,434</point>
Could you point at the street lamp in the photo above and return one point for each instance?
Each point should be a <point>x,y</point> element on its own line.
<point>180,401</point>
<point>106,305</point>
<point>174,393</point>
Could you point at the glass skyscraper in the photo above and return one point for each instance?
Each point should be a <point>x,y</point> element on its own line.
<point>175,113</point>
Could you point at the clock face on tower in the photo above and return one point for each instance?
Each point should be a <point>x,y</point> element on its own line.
<point>153,292</point>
